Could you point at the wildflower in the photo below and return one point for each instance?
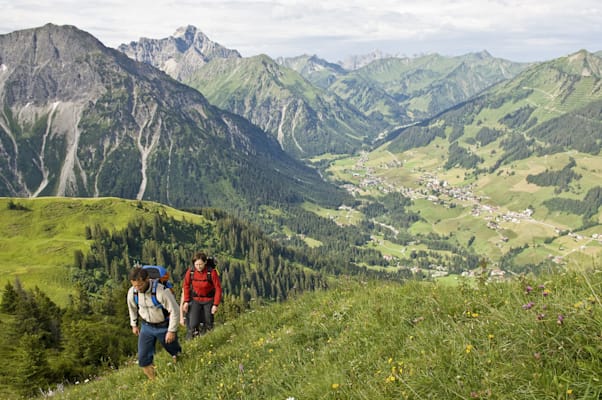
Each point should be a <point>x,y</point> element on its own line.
<point>490,336</point>
<point>578,304</point>
<point>569,391</point>
<point>335,386</point>
<point>545,292</point>
<point>560,319</point>
<point>468,348</point>
<point>390,379</point>
<point>541,287</point>
<point>540,316</point>
<point>290,398</point>
<point>528,306</point>
<point>528,289</point>
<point>537,356</point>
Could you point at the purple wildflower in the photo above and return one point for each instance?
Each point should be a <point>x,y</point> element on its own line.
<point>528,306</point>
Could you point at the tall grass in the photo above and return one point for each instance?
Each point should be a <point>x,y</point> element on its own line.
<point>526,339</point>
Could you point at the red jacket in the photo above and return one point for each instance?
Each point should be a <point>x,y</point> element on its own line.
<point>203,288</point>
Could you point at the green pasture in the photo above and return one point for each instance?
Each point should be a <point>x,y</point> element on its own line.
<point>343,216</point>
<point>39,238</point>
<point>388,248</point>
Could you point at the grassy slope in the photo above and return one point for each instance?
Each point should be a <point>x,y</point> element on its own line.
<point>386,341</point>
<point>37,245</point>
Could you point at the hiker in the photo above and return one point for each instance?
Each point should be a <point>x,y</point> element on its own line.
<point>157,311</point>
<point>201,295</point>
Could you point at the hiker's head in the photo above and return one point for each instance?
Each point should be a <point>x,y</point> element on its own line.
<point>199,260</point>
<point>139,279</point>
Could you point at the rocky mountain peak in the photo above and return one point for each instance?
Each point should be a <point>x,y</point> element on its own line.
<point>585,63</point>
<point>188,33</point>
<point>178,55</point>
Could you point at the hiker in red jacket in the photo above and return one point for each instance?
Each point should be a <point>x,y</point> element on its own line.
<point>202,293</point>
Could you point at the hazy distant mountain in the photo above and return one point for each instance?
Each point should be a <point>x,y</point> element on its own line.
<point>80,119</point>
<point>316,70</point>
<point>354,62</point>
<point>412,89</point>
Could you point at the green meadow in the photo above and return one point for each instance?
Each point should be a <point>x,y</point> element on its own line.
<point>530,338</point>
<point>38,240</point>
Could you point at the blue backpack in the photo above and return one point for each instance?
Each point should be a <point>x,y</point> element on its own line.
<point>158,274</point>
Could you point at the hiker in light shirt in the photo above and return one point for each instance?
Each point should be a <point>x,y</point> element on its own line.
<point>154,315</point>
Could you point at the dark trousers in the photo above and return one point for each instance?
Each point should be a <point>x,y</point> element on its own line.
<point>147,339</point>
<point>200,319</point>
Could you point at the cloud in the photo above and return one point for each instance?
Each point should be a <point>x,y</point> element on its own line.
<point>522,30</point>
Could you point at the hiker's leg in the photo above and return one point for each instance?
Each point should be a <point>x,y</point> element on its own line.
<point>194,315</point>
<point>146,347</point>
<point>172,348</point>
<point>207,316</point>
<point>188,328</point>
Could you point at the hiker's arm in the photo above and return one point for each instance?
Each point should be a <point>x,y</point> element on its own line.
<point>183,310</point>
<point>133,311</point>
<point>186,288</point>
<point>217,284</point>
<point>170,337</point>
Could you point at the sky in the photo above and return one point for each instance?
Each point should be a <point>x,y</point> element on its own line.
<point>516,30</point>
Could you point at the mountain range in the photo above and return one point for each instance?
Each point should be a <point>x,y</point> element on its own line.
<point>81,119</point>
<point>314,107</point>
<point>187,122</point>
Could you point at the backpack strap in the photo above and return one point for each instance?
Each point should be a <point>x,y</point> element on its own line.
<point>209,279</point>
<point>156,302</point>
<point>154,294</point>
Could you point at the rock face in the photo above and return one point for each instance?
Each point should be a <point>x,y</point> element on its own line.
<point>80,119</point>
<point>179,55</point>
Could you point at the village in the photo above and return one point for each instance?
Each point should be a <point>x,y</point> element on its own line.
<point>440,192</point>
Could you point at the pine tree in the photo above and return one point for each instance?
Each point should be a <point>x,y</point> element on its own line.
<point>9,299</point>
<point>31,371</point>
